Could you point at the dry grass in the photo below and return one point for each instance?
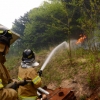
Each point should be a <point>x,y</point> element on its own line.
<point>83,75</point>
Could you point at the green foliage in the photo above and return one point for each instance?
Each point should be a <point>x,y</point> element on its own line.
<point>19,24</point>
<point>52,22</point>
<point>47,25</point>
<point>90,10</point>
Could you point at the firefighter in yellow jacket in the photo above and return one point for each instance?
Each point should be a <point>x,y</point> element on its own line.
<point>5,39</point>
<point>27,72</point>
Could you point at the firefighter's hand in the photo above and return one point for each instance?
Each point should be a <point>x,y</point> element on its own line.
<point>14,86</point>
<point>40,72</point>
<point>44,97</point>
<point>14,80</point>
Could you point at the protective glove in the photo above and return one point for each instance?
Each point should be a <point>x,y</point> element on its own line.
<point>14,86</point>
<point>40,72</point>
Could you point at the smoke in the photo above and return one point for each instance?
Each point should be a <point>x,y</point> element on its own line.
<point>74,45</point>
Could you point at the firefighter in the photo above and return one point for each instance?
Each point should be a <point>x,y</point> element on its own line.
<point>5,93</point>
<point>28,72</point>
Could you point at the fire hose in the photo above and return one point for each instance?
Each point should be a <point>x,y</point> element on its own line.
<point>63,45</point>
<point>28,81</point>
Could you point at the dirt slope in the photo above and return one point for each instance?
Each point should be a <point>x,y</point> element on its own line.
<point>77,83</point>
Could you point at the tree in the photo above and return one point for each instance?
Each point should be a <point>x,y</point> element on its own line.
<point>19,24</point>
<point>90,10</point>
<point>72,14</point>
<point>47,24</point>
<point>18,27</point>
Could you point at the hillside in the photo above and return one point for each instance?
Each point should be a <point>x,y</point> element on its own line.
<point>82,74</point>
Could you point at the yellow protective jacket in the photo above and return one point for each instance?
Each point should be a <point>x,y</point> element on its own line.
<point>30,89</point>
<point>5,94</point>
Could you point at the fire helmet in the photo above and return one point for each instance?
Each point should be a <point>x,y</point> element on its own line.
<point>28,56</point>
<point>5,37</point>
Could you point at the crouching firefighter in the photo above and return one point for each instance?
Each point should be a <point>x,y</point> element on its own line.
<point>5,41</point>
<point>28,72</point>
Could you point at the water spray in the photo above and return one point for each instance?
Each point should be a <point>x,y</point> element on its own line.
<point>63,45</point>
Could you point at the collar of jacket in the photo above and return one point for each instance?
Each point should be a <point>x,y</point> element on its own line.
<point>29,65</point>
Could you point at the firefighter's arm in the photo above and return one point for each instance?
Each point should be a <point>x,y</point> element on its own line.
<point>36,79</point>
<point>16,84</point>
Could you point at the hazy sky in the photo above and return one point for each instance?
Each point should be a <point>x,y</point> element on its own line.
<point>13,9</point>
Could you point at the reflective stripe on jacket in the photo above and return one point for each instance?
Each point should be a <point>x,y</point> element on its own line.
<point>36,80</point>
<point>28,98</point>
<point>1,85</point>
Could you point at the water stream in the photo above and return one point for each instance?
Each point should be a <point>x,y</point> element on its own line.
<point>63,45</point>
